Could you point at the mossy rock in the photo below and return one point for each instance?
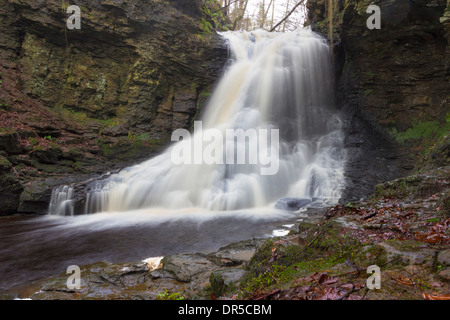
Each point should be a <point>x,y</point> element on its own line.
<point>49,155</point>
<point>305,226</point>
<point>405,245</point>
<point>417,186</point>
<point>438,155</point>
<point>370,255</point>
<point>400,188</point>
<point>9,143</point>
<point>226,281</point>
<point>330,238</point>
<point>402,253</point>
<point>127,150</point>
<point>10,190</point>
<point>444,204</point>
<point>281,261</point>
<point>5,165</point>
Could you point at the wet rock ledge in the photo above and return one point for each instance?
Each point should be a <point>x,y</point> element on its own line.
<point>191,276</point>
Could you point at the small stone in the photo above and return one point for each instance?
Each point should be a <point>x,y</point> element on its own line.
<point>445,274</point>
<point>437,284</point>
<point>444,258</point>
<point>226,280</point>
<point>292,204</point>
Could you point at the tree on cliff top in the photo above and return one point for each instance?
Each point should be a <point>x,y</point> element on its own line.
<point>272,15</point>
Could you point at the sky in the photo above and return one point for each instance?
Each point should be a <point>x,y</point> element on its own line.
<point>280,9</point>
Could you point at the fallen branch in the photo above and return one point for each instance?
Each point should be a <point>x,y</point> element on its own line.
<point>427,296</point>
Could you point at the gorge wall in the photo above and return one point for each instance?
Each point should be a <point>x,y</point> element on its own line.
<point>79,102</point>
<point>392,83</point>
<point>76,103</point>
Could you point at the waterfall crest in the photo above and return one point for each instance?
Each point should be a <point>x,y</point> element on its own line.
<point>276,81</point>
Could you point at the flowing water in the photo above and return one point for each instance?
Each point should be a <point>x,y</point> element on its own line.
<point>35,248</point>
<point>278,91</point>
<point>277,83</point>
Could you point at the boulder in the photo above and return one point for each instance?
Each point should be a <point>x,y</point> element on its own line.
<point>226,280</point>
<point>35,198</point>
<point>236,253</point>
<point>9,143</point>
<point>184,267</point>
<point>10,190</point>
<point>292,204</point>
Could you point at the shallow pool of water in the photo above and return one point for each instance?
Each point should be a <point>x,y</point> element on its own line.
<point>34,248</point>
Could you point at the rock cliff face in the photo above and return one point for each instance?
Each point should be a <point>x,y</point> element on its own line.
<point>393,84</point>
<point>74,101</point>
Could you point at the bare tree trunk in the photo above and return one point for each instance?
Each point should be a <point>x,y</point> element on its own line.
<point>268,8</point>
<point>330,25</point>
<point>273,15</point>
<point>264,13</point>
<point>262,7</point>
<point>240,13</point>
<point>225,7</point>
<point>286,16</point>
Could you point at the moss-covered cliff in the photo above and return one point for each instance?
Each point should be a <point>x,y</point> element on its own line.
<point>73,100</point>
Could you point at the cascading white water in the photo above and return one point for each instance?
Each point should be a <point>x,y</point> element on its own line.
<point>276,81</point>
<point>62,202</point>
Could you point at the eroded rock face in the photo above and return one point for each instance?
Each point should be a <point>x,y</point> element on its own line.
<point>75,101</point>
<point>392,83</point>
<point>130,60</point>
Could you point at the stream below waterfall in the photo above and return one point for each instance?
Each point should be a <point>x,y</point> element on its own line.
<point>35,248</point>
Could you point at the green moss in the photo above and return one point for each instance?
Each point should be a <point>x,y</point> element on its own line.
<point>444,204</point>
<point>127,148</point>
<point>436,156</point>
<point>7,130</point>
<point>281,263</point>
<point>283,276</point>
<point>71,115</point>
<point>5,165</point>
<point>206,26</point>
<point>405,245</point>
<point>205,94</point>
<point>74,153</point>
<point>422,131</point>
<point>143,137</point>
<point>370,255</point>
<point>169,296</point>
<point>33,142</point>
<point>214,17</point>
<point>400,188</point>
<point>367,92</point>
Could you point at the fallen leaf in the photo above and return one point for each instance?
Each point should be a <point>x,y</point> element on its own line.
<point>326,279</point>
<point>437,284</point>
<point>427,296</point>
<point>406,281</point>
<point>354,297</point>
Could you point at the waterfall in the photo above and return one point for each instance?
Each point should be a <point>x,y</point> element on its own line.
<point>62,202</point>
<point>280,83</point>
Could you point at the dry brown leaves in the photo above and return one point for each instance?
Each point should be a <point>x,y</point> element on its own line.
<point>436,234</point>
<point>390,219</point>
<point>316,286</point>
